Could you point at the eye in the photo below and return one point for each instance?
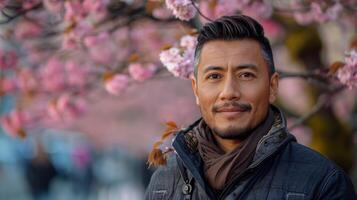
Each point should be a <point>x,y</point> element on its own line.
<point>247,75</point>
<point>214,76</point>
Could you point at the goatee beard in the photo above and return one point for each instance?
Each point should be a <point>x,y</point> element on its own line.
<point>233,134</point>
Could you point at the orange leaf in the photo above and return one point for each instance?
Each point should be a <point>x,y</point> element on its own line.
<point>21,133</point>
<point>335,66</point>
<point>156,158</point>
<point>166,47</point>
<point>134,58</point>
<point>171,124</point>
<point>157,144</point>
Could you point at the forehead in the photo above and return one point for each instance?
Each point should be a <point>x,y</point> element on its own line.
<point>232,52</point>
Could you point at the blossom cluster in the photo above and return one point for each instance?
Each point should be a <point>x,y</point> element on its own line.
<point>316,13</point>
<point>347,74</point>
<point>180,60</point>
<point>57,51</point>
<point>182,9</point>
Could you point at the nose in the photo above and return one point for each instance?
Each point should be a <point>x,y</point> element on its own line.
<point>230,90</point>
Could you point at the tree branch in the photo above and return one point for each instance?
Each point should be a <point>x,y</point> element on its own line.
<point>322,101</point>
<point>199,12</point>
<point>305,75</point>
<point>20,13</point>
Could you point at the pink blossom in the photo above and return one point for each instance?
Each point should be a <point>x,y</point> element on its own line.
<point>334,11</point>
<point>214,9</point>
<point>7,85</point>
<point>101,48</point>
<point>97,9</point>
<point>7,59</point>
<point>347,74</point>
<point>180,64</point>
<point>188,41</point>
<point>94,40</point>
<point>187,64</point>
<point>95,5</point>
<point>303,18</point>
<point>15,122</point>
<point>26,81</point>
<point>182,9</point>
<point>116,85</point>
<point>259,10</point>
<point>66,108</point>
<point>70,106</point>
<point>77,74</point>
<point>27,29</point>
<point>317,12</point>
<point>28,4</point>
<point>53,75</point>
<point>3,3</point>
<point>74,11</point>
<point>69,42</point>
<point>206,10</point>
<point>54,6</point>
<point>180,61</point>
<point>53,111</point>
<point>225,7</point>
<point>171,59</point>
<point>162,13</point>
<point>140,73</point>
<point>271,28</point>
<point>82,29</point>
<point>35,55</point>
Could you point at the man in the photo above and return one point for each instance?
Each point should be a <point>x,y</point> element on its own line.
<point>241,148</point>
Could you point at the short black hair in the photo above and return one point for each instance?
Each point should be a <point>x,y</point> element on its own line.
<point>234,27</point>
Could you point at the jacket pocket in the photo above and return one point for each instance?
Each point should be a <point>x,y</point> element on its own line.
<point>159,194</point>
<point>295,196</point>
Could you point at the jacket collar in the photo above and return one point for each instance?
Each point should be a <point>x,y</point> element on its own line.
<point>185,146</point>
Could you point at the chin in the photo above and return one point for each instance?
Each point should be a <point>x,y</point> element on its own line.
<point>232,133</point>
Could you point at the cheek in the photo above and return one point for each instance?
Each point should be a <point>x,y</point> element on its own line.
<point>256,94</point>
<point>207,99</point>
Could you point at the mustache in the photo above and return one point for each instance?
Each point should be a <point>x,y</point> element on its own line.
<point>233,104</point>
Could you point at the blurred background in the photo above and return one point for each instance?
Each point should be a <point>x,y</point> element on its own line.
<point>86,86</point>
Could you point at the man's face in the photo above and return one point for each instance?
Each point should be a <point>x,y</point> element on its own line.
<point>233,88</point>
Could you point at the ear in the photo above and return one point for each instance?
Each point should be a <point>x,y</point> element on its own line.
<point>274,87</point>
<point>194,88</point>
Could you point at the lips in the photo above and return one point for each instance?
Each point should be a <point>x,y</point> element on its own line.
<point>231,109</point>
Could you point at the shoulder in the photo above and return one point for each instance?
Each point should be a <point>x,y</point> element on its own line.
<point>163,180</point>
<point>170,170</point>
<point>303,155</point>
<point>314,170</point>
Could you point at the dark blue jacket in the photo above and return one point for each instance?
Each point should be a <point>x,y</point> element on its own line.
<point>281,169</point>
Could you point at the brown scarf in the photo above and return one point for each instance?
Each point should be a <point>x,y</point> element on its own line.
<point>221,168</point>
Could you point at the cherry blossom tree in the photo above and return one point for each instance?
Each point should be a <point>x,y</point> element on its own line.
<point>55,53</point>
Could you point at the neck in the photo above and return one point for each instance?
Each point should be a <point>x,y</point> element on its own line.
<point>227,145</point>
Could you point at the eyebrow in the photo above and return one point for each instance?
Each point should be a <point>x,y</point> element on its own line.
<point>241,66</point>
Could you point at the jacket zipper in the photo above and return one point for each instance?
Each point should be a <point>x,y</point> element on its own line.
<point>198,177</point>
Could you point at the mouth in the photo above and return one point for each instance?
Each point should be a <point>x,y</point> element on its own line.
<point>231,109</point>
<point>231,112</point>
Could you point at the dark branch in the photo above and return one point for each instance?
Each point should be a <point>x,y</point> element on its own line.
<point>199,12</point>
<point>322,101</point>
<point>18,14</point>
